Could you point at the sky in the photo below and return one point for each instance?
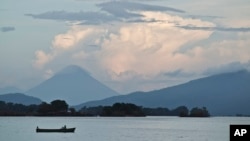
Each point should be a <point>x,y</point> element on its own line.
<point>138,45</point>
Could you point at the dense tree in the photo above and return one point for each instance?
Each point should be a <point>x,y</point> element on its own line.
<point>92,111</point>
<point>44,108</point>
<point>181,111</point>
<point>199,112</point>
<point>156,111</point>
<point>12,109</point>
<point>122,109</point>
<point>72,110</point>
<point>59,106</point>
<point>2,106</point>
<point>56,107</point>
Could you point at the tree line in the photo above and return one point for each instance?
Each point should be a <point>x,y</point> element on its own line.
<point>128,109</point>
<point>61,108</point>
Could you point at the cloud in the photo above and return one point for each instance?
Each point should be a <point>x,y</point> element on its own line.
<point>110,11</point>
<point>7,29</point>
<point>63,43</point>
<point>41,59</point>
<point>71,38</point>
<point>133,6</point>
<point>205,17</point>
<point>124,9</point>
<point>129,51</point>
<point>231,67</point>
<point>48,73</point>
<point>145,48</point>
<point>86,17</point>
<point>152,46</point>
<point>123,48</point>
<point>224,29</point>
<point>178,73</point>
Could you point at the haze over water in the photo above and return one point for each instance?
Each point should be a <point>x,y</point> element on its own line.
<point>120,128</point>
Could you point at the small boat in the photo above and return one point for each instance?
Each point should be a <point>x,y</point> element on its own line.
<point>63,130</point>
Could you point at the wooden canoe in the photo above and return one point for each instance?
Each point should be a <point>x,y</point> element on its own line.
<point>63,130</point>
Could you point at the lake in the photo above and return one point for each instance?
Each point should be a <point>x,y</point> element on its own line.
<point>119,128</point>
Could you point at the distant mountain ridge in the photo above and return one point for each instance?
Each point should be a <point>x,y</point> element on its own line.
<point>72,84</point>
<point>20,98</point>
<point>222,94</point>
<point>10,89</point>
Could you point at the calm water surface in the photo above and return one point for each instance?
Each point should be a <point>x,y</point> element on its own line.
<point>119,128</point>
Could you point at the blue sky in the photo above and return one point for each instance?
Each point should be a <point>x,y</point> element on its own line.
<point>128,45</point>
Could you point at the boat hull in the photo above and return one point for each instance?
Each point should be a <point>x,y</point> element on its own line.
<point>70,130</point>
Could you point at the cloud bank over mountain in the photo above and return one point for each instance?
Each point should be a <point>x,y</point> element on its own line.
<point>128,45</point>
<point>130,41</point>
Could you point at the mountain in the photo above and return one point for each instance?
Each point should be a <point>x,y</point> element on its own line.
<point>72,84</point>
<point>20,99</point>
<point>6,90</point>
<point>222,94</point>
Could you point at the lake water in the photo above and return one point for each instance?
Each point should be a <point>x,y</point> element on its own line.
<point>119,128</point>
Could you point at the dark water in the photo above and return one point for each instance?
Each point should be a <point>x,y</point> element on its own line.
<point>119,128</point>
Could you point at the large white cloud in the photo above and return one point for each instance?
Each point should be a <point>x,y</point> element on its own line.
<point>71,38</point>
<point>150,48</point>
<point>64,43</point>
<point>143,55</point>
<point>41,59</point>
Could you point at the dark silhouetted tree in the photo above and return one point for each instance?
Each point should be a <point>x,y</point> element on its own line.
<point>44,108</point>
<point>156,111</point>
<point>122,109</point>
<point>180,111</point>
<point>59,106</point>
<point>199,112</point>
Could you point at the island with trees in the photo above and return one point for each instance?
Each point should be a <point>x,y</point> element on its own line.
<point>61,108</point>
